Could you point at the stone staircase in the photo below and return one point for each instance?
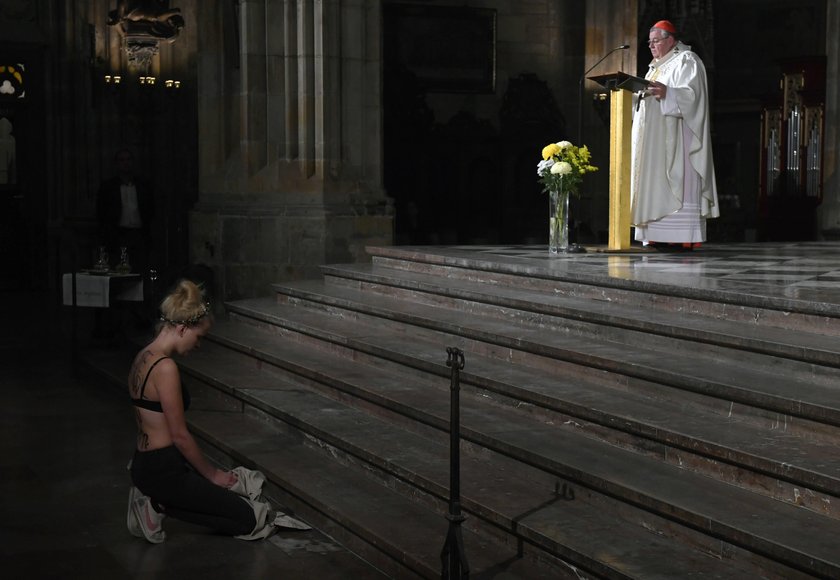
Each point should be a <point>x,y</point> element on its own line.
<point>607,432</point>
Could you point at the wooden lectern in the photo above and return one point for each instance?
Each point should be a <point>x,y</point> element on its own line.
<point>621,86</point>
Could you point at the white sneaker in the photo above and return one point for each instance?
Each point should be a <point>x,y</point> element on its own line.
<point>131,519</point>
<point>149,521</point>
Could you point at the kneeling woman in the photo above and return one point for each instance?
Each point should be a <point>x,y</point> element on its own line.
<point>173,476</point>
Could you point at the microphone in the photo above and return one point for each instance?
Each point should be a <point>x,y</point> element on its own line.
<point>580,89</point>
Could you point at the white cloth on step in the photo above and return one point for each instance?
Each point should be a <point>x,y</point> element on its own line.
<point>281,520</point>
<point>249,482</point>
<point>249,485</point>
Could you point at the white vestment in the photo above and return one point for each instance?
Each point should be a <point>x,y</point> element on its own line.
<point>672,185</point>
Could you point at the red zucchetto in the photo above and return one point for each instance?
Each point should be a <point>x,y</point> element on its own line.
<point>666,26</point>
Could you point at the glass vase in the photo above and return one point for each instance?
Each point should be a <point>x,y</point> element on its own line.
<point>124,267</point>
<point>102,263</point>
<point>558,221</point>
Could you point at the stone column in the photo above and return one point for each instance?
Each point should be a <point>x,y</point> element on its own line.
<point>290,129</point>
<point>829,211</point>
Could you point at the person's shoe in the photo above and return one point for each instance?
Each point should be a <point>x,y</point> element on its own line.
<point>132,522</point>
<point>149,521</point>
<point>669,248</point>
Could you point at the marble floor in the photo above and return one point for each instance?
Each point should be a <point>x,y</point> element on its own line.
<point>790,275</point>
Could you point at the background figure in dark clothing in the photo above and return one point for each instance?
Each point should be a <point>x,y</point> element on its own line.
<point>125,208</point>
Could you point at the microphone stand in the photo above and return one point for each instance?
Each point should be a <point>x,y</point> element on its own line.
<point>580,89</point>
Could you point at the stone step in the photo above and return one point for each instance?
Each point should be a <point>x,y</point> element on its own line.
<point>399,536</point>
<point>507,294</point>
<point>795,461</point>
<point>760,380</point>
<point>699,433</point>
<point>726,302</point>
<point>500,491</point>
<point>750,521</point>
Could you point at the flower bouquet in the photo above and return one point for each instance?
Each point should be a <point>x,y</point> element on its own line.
<point>561,171</point>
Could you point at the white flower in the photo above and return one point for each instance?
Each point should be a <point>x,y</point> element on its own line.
<point>544,166</point>
<point>561,168</point>
<point>564,144</point>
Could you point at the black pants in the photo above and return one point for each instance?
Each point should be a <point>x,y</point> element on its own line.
<point>166,477</point>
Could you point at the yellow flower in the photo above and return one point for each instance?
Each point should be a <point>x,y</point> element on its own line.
<point>563,166</point>
<point>549,150</point>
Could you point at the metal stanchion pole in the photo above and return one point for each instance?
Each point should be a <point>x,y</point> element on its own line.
<point>453,557</point>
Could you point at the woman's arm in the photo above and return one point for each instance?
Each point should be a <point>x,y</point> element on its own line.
<point>167,380</point>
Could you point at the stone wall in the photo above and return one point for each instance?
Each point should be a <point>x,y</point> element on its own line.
<point>829,212</point>
<point>290,146</point>
<point>545,42</point>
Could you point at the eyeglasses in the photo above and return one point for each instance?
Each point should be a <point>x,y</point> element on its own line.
<point>656,40</point>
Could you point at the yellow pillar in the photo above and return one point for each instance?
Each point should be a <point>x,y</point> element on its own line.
<point>621,102</point>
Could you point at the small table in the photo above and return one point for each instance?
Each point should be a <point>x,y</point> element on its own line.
<point>97,289</point>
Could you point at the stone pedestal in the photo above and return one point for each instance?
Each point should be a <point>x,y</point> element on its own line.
<point>250,245</point>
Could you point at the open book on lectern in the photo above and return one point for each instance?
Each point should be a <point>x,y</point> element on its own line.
<point>621,80</point>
